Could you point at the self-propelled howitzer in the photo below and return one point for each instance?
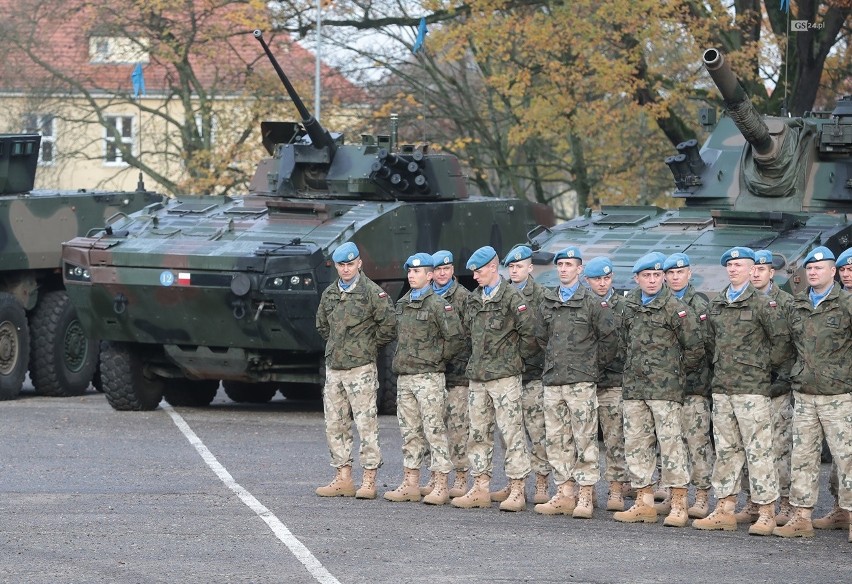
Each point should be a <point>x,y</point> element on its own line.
<point>188,293</point>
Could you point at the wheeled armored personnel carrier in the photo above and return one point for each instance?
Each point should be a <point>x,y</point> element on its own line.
<point>39,329</point>
<point>765,182</point>
<point>187,293</point>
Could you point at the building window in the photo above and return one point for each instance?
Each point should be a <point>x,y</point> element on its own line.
<point>123,126</point>
<point>118,50</point>
<point>44,124</point>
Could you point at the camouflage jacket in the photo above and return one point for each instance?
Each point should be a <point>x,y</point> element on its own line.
<point>578,337</point>
<point>780,376</point>
<point>429,333</point>
<point>698,381</point>
<point>823,340</point>
<point>533,293</point>
<point>355,323</point>
<point>455,374</point>
<point>502,333</point>
<point>749,337</point>
<point>612,373</point>
<point>662,342</point>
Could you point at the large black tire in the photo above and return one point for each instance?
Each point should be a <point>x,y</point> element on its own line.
<point>301,391</point>
<point>14,346</point>
<point>125,383</point>
<point>193,393</point>
<point>386,396</point>
<point>62,358</point>
<point>249,393</point>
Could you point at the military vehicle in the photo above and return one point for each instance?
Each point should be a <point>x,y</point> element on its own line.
<point>765,182</point>
<point>39,329</point>
<point>188,293</point>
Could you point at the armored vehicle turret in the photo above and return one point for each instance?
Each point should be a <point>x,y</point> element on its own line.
<point>39,329</point>
<point>765,182</point>
<point>188,293</point>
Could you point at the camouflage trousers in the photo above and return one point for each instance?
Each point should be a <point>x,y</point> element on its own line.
<point>532,401</point>
<point>611,419</point>
<point>642,420</point>
<point>695,418</point>
<point>782,439</point>
<point>420,409</point>
<point>816,416</point>
<point>351,394</point>
<point>497,401</point>
<point>742,428</point>
<point>458,425</point>
<point>571,421</point>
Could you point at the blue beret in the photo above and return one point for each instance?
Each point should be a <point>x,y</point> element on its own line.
<point>440,258</point>
<point>818,254</point>
<point>481,257</point>
<point>517,254</point>
<point>676,260</point>
<point>737,253</point>
<point>650,261</point>
<point>345,253</point>
<point>571,252</point>
<point>597,267</point>
<point>763,256</point>
<point>845,258</point>
<point>419,260</point>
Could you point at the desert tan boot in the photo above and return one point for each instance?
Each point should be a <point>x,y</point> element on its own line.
<point>837,518</point>
<point>585,505</point>
<point>562,503</point>
<point>678,516</point>
<point>615,500</point>
<point>642,510</point>
<point>749,513</point>
<point>701,508</point>
<point>799,525</point>
<point>459,487</point>
<point>501,495</point>
<point>785,511</point>
<point>340,486</point>
<point>540,495</point>
<point>722,518</point>
<point>425,490</point>
<point>440,495</point>
<point>516,501</point>
<point>407,490</point>
<point>765,523</point>
<point>477,496</point>
<point>367,490</point>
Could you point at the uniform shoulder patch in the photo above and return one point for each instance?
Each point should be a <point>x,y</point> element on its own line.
<point>448,307</point>
<point>383,294</point>
<point>702,317</point>
<point>522,308</point>
<point>773,304</point>
<point>604,304</point>
<point>682,313</point>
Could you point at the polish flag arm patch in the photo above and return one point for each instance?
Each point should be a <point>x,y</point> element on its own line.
<point>682,314</point>
<point>522,308</point>
<point>604,304</point>
<point>773,304</point>
<point>383,294</point>
<point>448,308</point>
<point>702,317</point>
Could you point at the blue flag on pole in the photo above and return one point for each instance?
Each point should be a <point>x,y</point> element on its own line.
<point>421,35</point>
<point>785,5</point>
<point>138,80</point>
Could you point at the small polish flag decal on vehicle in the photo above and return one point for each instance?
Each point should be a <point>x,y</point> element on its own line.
<point>183,278</point>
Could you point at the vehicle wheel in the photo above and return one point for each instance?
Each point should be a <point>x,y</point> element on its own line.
<point>125,383</point>
<point>386,397</point>
<point>301,391</point>
<point>62,358</point>
<point>249,393</point>
<point>97,383</point>
<point>194,393</point>
<point>14,346</point>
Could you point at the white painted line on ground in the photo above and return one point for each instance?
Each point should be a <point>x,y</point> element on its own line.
<point>280,530</point>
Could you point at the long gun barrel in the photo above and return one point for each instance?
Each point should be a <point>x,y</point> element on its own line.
<point>320,138</point>
<point>737,102</point>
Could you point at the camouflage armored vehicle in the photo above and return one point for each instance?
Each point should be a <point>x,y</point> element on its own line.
<point>190,293</point>
<point>765,182</point>
<point>39,329</point>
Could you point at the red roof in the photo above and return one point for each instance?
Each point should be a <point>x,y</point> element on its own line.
<point>220,50</point>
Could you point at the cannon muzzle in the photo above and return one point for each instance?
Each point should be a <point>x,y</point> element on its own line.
<point>320,137</point>
<point>737,102</point>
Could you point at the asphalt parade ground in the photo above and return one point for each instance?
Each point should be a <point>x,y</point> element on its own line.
<point>226,494</point>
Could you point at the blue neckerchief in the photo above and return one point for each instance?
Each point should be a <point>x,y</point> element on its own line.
<point>488,290</point>
<point>733,294</point>
<point>442,289</point>
<point>646,299</point>
<point>416,294</point>
<point>566,293</point>
<point>609,294</point>
<point>817,298</point>
<point>521,285</point>
<point>680,293</point>
<point>344,286</point>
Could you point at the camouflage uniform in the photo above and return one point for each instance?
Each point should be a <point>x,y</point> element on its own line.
<point>822,386</point>
<point>781,396</point>
<point>354,323</point>
<point>532,396</point>
<point>502,334</point>
<point>611,405</point>
<point>456,417</point>
<point>429,334</point>
<point>579,337</point>
<point>696,410</point>
<point>661,342</point>
<point>743,333</point>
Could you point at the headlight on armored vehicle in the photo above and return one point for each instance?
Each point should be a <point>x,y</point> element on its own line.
<point>289,282</point>
<point>77,273</point>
